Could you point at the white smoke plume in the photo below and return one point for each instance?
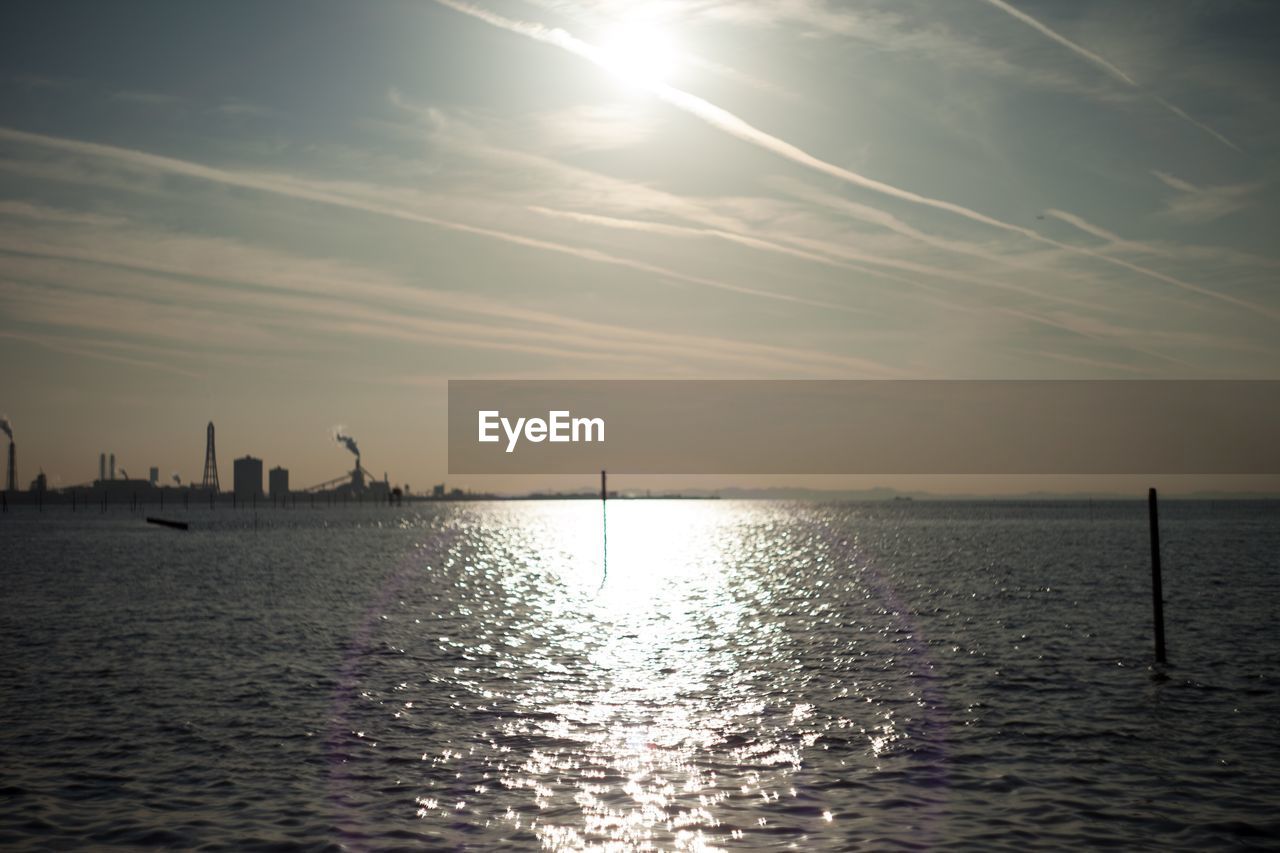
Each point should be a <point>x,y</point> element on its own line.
<point>339,434</point>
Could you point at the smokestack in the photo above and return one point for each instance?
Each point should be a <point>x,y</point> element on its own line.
<point>113,466</point>
<point>102,466</point>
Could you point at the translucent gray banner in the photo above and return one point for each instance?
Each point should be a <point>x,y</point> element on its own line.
<point>864,427</point>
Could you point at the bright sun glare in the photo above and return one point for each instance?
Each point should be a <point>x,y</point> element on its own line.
<point>640,54</point>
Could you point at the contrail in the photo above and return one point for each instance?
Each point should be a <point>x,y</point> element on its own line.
<point>1044,30</point>
<point>733,125</point>
<point>1209,130</point>
<point>293,189</point>
<point>721,118</point>
<point>1083,225</point>
<point>1115,72</point>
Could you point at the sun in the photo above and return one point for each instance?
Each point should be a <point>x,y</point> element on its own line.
<point>639,54</point>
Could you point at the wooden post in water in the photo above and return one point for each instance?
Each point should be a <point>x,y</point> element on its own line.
<point>1157,594</point>
<point>604,526</point>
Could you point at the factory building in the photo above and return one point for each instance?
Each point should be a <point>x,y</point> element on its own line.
<point>247,474</point>
<point>278,482</point>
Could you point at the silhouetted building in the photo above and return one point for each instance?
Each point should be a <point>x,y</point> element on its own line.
<point>437,491</point>
<point>278,482</point>
<point>40,484</point>
<point>247,476</point>
<point>154,476</point>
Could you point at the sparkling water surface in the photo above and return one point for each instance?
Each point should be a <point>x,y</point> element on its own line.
<point>745,675</point>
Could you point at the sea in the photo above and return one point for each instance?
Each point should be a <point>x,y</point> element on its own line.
<point>641,675</point>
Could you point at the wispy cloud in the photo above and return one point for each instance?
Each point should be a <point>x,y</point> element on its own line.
<point>594,127</point>
<point>164,272</point>
<point>736,126</point>
<point>27,210</point>
<point>1194,205</point>
<point>1182,114</point>
<point>1077,49</point>
<point>150,99</point>
<point>1087,227</point>
<point>316,192</point>
<point>97,351</point>
<point>1114,240</point>
<point>1088,55</point>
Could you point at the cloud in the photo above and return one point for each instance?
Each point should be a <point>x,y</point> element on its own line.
<point>1182,114</point>
<point>1114,239</point>
<point>151,284</point>
<point>589,127</point>
<point>67,346</point>
<point>1195,205</point>
<point>1098,61</point>
<point>27,210</point>
<point>333,195</point>
<point>1086,227</point>
<point>150,99</point>
<point>1046,31</point>
<point>735,126</point>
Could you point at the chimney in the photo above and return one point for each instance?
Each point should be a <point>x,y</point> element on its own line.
<point>113,466</point>
<point>102,466</point>
<point>13,474</point>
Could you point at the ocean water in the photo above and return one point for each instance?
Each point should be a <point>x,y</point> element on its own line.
<point>738,676</point>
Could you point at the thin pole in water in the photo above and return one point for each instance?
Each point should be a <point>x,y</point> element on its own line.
<point>1157,594</point>
<point>604,523</point>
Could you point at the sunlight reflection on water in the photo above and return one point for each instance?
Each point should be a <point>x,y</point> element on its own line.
<point>667,708</point>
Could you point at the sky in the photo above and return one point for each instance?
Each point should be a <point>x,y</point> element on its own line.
<point>290,216</point>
